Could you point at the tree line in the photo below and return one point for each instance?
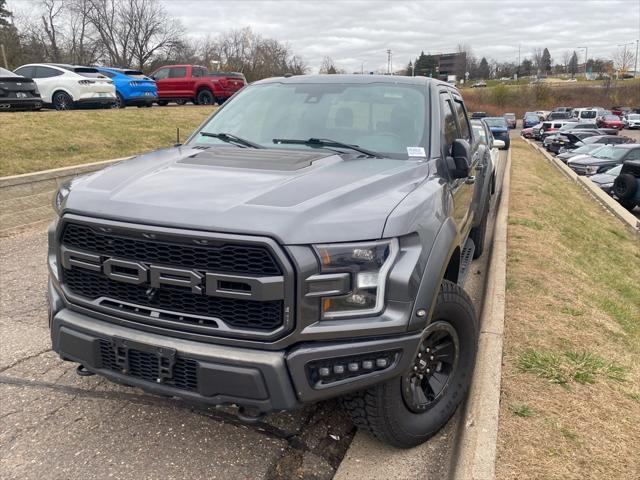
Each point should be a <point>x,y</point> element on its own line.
<point>134,34</point>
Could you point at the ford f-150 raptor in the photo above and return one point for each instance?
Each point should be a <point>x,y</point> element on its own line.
<point>309,240</point>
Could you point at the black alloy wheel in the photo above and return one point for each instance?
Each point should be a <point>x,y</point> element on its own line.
<point>62,101</point>
<point>433,367</point>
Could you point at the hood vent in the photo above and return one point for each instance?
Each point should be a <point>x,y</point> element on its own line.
<point>254,158</point>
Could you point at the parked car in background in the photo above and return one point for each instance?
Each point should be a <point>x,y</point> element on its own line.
<point>479,114</point>
<point>568,140</point>
<point>187,83</point>
<point>585,114</point>
<point>530,120</point>
<point>567,110</point>
<point>609,139</point>
<point>605,179</point>
<point>633,121</point>
<point>499,130</point>
<point>132,87</point>
<point>558,116</point>
<point>542,114</point>
<point>551,127</point>
<point>230,83</point>
<point>583,150</point>
<point>626,186</point>
<point>527,132</point>
<point>604,159</point>
<point>511,119</point>
<point>610,121</point>
<point>67,86</point>
<point>479,84</point>
<point>18,92</point>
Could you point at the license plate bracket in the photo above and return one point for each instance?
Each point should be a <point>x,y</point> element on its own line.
<point>165,357</point>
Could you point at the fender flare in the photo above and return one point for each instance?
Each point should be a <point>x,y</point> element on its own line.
<point>61,89</point>
<point>440,256</point>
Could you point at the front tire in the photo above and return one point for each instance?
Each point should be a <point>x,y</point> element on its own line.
<point>407,411</point>
<point>120,103</point>
<point>62,101</point>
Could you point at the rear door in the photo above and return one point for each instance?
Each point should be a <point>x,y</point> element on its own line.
<point>178,83</point>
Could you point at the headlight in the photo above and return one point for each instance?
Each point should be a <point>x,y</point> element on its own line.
<point>592,169</point>
<point>368,266</point>
<point>607,185</point>
<point>61,195</point>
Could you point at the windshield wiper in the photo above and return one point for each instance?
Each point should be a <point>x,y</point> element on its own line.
<point>230,138</point>
<point>326,142</point>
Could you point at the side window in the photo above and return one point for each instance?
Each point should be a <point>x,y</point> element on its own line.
<point>26,71</point>
<point>448,122</point>
<point>463,121</point>
<point>46,72</point>
<point>178,72</point>
<point>198,72</point>
<point>107,73</point>
<point>161,74</point>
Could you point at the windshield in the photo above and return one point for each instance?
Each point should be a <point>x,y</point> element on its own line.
<point>495,122</point>
<point>634,116</point>
<point>588,114</point>
<point>588,148</point>
<point>615,171</point>
<point>610,153</point>
<point>385,118</point>
<point>611,117</point>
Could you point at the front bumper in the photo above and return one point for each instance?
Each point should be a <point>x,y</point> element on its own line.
<point>217,374</point>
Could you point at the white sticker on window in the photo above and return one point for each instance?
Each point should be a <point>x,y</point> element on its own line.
<point>416,152</point>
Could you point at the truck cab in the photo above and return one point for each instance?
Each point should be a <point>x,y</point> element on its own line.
<point>187,83</point>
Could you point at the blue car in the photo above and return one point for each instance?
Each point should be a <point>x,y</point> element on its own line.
<point>500,129</point>
<point>132,87</point>
<point>530,121</point>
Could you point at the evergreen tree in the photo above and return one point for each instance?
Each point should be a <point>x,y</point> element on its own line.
<point>545,62</point>
<point>484,71</point>
<point>573,64</point>
<point>526,67</point>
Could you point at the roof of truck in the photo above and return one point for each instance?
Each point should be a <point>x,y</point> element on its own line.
<point>356,79</point>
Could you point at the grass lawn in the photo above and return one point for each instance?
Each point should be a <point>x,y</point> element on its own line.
<point>570,400</point>
<point>33,141</point>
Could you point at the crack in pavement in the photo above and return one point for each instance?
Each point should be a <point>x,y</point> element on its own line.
<point>24,359</point>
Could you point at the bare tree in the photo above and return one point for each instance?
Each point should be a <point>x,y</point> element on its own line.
<point>53,10</point>
<point>328,66</point>
<point>83,47</point>
<point>537,59</point>
<point>623,60</point>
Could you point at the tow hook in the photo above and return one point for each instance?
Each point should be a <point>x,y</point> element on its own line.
<point>250,414</point>
<point>83,372</point>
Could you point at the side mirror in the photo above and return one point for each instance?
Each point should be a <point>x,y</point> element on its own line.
<point>498,144</point>
<point>460,161</point>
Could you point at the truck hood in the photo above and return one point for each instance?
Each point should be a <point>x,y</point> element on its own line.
<point>294,196</point>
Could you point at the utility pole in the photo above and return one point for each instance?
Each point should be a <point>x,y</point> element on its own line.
<point>635,68</point>
<point>362,69</point>
<point>4,56</point>
<point>389,61</point>
<point>586,49</point>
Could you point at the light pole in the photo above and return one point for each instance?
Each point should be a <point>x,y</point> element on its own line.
<point>635,68</point>
<point>586,49</point>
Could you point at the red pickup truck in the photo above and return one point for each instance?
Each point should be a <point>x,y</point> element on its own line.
<point>192,83</point>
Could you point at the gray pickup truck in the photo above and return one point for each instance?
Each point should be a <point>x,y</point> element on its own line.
<point>308,241</point>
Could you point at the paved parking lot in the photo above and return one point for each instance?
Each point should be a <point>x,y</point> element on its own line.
<point>57,425</point>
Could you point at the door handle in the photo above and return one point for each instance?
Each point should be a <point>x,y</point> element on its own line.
<point>479,166</point>
<point>470,180</point>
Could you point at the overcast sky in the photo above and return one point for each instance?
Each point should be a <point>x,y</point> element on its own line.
<point>352,32</point>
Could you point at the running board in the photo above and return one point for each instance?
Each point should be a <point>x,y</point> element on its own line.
<point>466,257</point>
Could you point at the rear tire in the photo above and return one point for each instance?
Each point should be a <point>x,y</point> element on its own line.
<point>62,101</point>
<point>205,97</point>
<point>395,411</point>
<point>162,103</point>
<point>625,186</point>
<point>120,103</point>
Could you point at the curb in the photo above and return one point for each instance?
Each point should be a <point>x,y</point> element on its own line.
<point>478,435</point>
<point>596,192</point>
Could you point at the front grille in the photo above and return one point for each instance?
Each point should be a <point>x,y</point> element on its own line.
<point>246,314</point>
<point>144,365</point>
<point>234,307</point>
<point>226,258</point>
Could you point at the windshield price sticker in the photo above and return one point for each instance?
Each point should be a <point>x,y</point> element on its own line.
<point>416,152</point>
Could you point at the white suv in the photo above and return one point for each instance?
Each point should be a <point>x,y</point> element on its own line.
<point>66,86</point>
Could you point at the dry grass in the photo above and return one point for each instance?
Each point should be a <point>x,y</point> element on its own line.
<point>33,141</point>
<point>519,99</point>
<point>570,400</point>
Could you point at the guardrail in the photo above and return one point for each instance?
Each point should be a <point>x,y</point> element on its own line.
<point>26,199</point>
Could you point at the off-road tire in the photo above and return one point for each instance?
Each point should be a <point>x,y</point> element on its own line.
<point>382,409</point>
<point>629,204</point>
<point>205,97</point>
<point>625,186</point>
<point>479,233</point>
<point>62,101</point>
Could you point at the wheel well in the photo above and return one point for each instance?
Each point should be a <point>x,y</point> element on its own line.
<point>453,268</point>
<point>200,89</point>
<point>60,90</point>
